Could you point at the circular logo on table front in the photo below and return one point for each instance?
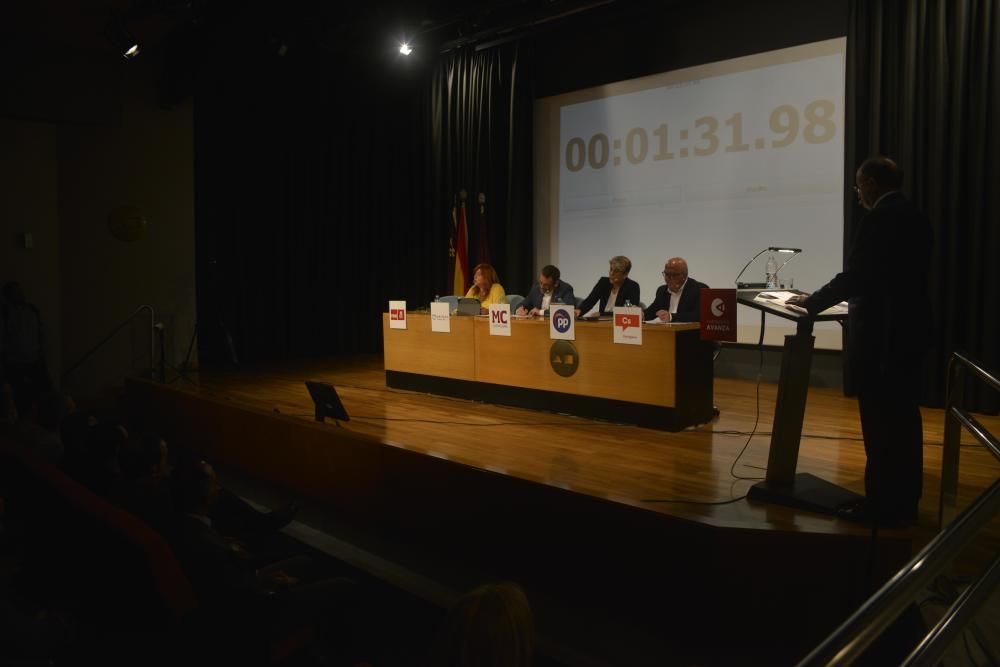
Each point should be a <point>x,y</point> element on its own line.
<point>564,358</point>
<point>718,307</point>
<point>561,320</point>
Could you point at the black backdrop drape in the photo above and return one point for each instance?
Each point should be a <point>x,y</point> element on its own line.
<point>324,190</point>
<point>924,87</point>
<point>481,140</point>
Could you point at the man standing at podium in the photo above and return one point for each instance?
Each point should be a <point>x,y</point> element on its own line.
<point>885,283</point>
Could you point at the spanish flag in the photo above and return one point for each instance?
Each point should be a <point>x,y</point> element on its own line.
<point>460,247</point>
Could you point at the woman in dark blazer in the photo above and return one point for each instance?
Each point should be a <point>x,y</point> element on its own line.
<point>617,285</point>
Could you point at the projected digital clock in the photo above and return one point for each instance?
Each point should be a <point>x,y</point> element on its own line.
<point>816,124</point>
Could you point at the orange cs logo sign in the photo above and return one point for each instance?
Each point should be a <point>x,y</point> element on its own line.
<point>626,321</point>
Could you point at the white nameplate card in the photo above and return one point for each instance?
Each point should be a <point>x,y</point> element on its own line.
<point>628,325</point>
<point>397,314</point>
<point>562,323</point>
<point>499,319</point>
<point>441,316</point>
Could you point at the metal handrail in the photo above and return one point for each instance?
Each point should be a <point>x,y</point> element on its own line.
<point>930,651</point>
<point>104,341</point>
<point>849,641</point>
<point>858,632</point>
<point>955,417</point>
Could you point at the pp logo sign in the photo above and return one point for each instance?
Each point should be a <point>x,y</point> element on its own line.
<point>562,324</point>
<point>562,321</point>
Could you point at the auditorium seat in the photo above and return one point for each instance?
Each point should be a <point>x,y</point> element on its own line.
<point>514,300</point>
<point>77,547</point>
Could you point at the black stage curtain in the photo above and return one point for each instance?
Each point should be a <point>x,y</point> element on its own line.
<point>923,87</point>
<point>323,191</point>
<point>481,141</point>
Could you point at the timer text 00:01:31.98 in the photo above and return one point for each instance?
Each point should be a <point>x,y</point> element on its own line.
<point>784,121</point>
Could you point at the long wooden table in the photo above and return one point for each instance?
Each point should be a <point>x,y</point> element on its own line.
<point>664,383</point>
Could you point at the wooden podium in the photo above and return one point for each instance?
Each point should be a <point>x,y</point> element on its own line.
<point>665,383</point>
<point>783,486</point>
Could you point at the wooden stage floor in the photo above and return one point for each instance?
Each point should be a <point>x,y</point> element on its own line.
<point>689,474</point>
<point>607,523</point>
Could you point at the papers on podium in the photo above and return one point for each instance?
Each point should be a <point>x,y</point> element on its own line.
<point>779,298</point>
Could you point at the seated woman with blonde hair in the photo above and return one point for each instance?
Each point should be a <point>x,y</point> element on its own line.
<point>486,287</point>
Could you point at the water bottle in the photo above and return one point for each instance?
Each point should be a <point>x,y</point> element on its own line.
<point>771,270</point>
<point>628,303</point>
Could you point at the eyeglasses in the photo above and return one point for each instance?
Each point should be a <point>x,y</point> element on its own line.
<point>615,272</point>
<point>671,274</point>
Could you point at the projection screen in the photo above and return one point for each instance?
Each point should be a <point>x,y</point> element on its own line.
<point>712,163</point>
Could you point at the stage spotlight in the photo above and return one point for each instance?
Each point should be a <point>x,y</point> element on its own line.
<point>119,36</point>
<point>405,49</point>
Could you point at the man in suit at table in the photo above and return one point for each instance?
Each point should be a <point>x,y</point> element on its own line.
<point>548,289</point>
<point>679,299</point>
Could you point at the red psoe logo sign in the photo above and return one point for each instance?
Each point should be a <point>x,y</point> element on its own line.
<point>397,314</point>
<point>718,314</point>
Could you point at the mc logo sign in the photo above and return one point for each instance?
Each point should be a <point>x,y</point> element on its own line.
<point>499,316</point>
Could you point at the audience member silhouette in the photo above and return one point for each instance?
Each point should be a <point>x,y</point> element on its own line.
<point>40,429</point>
<point>143,489</point>
<point>490,626</point>
<point>22,348</point>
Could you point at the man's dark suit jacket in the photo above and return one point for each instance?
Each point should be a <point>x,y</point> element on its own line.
<point>885,283</point>
<point>688,308</point>
<point>562,293</point>
<point>629,291</point>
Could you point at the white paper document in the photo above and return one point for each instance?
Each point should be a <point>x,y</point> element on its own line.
<point>780,298</point>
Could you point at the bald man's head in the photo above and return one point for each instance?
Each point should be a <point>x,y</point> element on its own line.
<point>675,272</point>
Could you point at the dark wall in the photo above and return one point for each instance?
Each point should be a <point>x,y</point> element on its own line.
<point>625,40</point>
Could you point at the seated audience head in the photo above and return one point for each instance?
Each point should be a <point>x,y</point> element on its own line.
<point>74,430</point>
<point>52,409</point>
<point>618,270</point>
<point>103,443</point>
<point>197,487</point>
<point>490,626</point>
<point>675,272</point>
<point>144,457</point>
<point>8,410</point>
<point>875,177</point>
<point>484,276</point>
<point>548,279</point>
<point>12,293</point>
